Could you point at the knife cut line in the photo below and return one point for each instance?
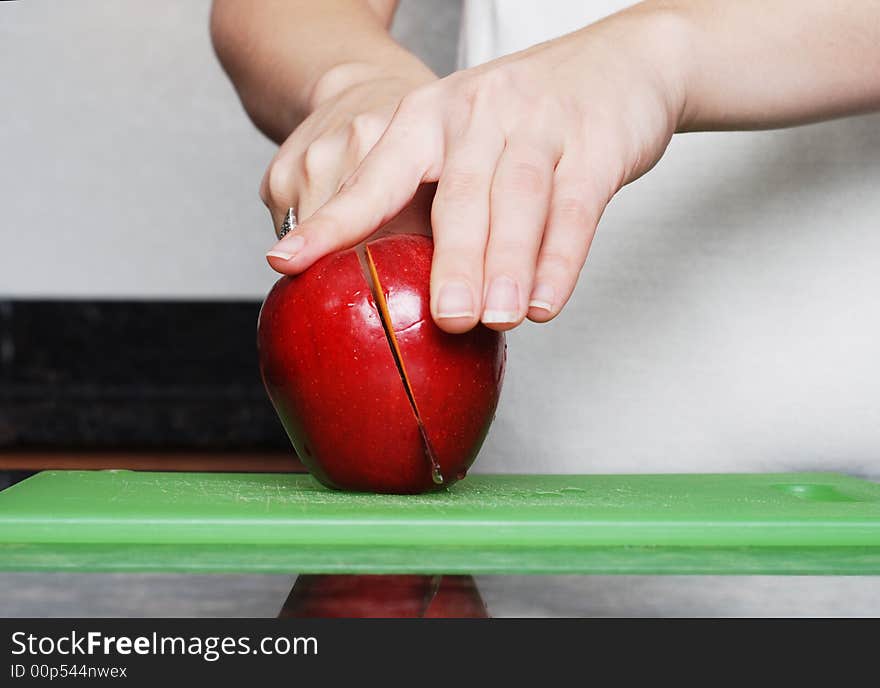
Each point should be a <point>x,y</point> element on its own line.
<point>385,317</point>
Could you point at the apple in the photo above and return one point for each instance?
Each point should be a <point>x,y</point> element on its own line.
<point>372,597</point>
<point>373,395</point>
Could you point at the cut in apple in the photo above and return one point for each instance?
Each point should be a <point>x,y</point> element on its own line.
<point>454,379</point>
<point>387,323</point>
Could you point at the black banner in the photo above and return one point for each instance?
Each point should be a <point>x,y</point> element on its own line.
<point>142,652</point>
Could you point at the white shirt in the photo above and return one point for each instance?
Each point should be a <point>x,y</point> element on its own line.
<point>728,317</point>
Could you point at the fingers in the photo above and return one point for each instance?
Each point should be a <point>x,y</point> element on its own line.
<point>513,216</point>
<point>575,208</point>
<point>520,198</point>
<point>460,221</point>
<point>278,187</point>
<point>384,183</point>
<point>304,177</point>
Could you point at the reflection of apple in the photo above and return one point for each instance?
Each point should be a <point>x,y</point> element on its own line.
<point>371,597</point>
<point>402,410</point>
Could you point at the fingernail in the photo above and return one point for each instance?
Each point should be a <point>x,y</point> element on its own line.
<point>502,301</point>
<point>455,301</point>
<point>542,297</point>
<point>288,248</point>
<point>279,254</point>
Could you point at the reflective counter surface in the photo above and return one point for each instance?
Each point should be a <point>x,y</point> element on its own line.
<point>176,595</point>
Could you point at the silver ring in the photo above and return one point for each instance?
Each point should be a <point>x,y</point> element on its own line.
<point>289,223</point>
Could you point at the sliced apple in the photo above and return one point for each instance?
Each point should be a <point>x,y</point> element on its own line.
<point>373,395</point>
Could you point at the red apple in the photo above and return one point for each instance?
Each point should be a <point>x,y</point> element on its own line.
<point>403,410</point>
<point>372,597</point>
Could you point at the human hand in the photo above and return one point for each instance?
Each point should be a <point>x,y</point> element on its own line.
<point>526,152</point>
<point>351,108</point>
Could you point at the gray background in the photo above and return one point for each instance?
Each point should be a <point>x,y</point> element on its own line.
<point>127,165</point>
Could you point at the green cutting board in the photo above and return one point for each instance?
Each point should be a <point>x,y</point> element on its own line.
<point>738,523</point>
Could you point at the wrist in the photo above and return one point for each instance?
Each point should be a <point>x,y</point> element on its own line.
<point>660,33</point>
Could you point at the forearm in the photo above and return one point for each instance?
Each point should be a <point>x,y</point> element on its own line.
<point>752,64</point>
<point>284,56</point>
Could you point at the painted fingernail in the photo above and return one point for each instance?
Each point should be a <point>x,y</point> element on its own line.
<point>455,301</point>
<point>542,297</point>
<point>289,248</point>
<point>502,301</point>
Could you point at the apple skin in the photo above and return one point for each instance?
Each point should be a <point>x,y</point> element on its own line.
<point>331,376</point>
<point>389,597</point>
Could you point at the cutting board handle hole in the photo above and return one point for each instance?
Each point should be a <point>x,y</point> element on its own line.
<point>812,492</point>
